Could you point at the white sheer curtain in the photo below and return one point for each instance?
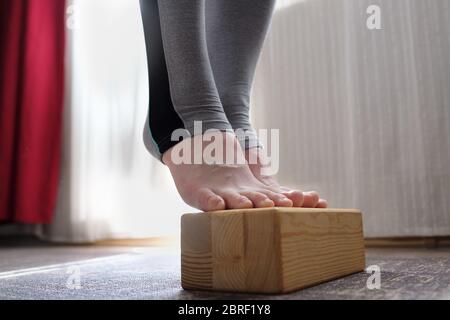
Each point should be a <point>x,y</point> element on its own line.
<point>110,186</point>
<point>365,115</point>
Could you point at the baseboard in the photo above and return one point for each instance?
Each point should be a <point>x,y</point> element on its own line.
<point>147,242</point>
<point>394,242</point>
<point>409,242</point>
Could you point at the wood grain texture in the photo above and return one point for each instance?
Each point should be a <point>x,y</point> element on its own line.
<point>275,250</point>
<point>228,263</point>
<point>196,255</point>
<point>319,246</point>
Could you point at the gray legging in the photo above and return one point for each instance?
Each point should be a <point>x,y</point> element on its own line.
<point>211,48</point>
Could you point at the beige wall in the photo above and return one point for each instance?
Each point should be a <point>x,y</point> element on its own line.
<point>365,115</point>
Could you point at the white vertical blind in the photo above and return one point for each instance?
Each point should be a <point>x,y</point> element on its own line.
<point>364,114</point>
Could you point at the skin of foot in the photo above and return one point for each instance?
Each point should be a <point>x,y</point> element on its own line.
<point>309,199</point>
<point>212,187</point>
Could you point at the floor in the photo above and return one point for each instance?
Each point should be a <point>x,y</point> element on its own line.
<point>30,270</point>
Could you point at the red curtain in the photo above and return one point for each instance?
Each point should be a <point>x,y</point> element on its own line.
<point>31,104</point>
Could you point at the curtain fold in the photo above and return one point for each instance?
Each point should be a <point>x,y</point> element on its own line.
<point>32,41</point>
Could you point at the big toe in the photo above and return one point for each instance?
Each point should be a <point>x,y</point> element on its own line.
<point>209,201</point>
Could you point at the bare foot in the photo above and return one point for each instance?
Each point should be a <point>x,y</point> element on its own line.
<point>309,199</point>
<point>211,187</point>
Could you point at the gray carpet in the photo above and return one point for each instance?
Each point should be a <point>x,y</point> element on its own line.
<point>40,272</point>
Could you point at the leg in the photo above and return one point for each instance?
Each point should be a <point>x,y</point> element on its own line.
<point>236,31</point>
<point>194,97</point>
<point>162,118</point>
<point>192,84</point>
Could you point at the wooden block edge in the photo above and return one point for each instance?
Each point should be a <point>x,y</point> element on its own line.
<point>275,211</point>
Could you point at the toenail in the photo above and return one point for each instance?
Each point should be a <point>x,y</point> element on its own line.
<point>214,200</point>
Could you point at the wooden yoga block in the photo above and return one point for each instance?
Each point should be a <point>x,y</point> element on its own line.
<point>274,250</point>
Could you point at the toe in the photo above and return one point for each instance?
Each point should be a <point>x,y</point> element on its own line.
<point>209,201</point>
<point>279,199</point>
<point>234,200</point>
<point>259,199</point>
<point>296,197</point>
<point>311,199</point>
<point>322,204</point>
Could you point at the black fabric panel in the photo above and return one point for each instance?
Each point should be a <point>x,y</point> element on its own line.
<point>163,117</point>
